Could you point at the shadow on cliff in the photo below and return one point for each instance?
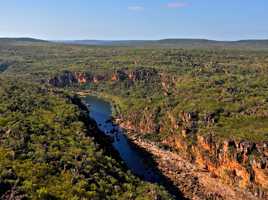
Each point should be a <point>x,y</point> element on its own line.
<point>161,178</point>
<point>106,143</point>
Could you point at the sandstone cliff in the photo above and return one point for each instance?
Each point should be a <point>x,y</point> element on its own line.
<point>243,164</point>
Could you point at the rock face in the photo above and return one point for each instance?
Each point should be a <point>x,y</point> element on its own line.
<point>68,78</point>
<point>119,76</point>
<point>65,79</point>
<point>241,164</point>
<point>238,163</point>
<point>193,182</point>
<point>83,77</point>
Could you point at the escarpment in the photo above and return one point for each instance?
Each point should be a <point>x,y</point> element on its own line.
<point>65,79</point>
<point>69,78</point>
<point>240,163</point>
<point>236,161</point>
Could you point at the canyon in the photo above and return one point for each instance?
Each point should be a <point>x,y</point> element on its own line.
<point>241,164</point>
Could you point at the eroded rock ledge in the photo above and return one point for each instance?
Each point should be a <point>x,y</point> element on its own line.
<point>241,164</point>
<point>194,182</point>
<point>68,78</point>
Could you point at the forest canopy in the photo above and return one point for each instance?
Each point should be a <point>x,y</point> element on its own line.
<point>46,151</point>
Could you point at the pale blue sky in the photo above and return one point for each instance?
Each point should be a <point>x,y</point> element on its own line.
<point>134,19</point>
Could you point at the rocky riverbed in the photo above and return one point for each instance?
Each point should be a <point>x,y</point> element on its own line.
<point>193,182</point>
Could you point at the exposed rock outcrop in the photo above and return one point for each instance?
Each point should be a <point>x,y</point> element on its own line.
<point>242,164</point>
<point>194,183</point>
<point>68,78</point>
<point>83,77</point>
<point>119,75</point>
<point>239,163</point>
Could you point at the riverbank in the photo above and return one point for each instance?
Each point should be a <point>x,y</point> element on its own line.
<point>138,162</point>
<point>194,183</point>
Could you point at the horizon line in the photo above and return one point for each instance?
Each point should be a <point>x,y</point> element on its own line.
<point>137,40</point>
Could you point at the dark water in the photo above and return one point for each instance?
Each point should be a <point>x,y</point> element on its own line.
<point>101,112</point>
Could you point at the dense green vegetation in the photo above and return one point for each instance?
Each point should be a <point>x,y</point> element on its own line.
<point>46,151</point>
<point>227,88</point>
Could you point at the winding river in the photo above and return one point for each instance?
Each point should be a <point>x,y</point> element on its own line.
<point>101,112</point>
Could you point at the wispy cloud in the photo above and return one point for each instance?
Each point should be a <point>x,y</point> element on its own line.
<point>176,5</point>
<point>136,8</point>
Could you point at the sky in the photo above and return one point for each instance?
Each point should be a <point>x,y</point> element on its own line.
<point>134,19</point>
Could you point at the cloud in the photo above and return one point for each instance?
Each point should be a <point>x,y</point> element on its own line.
<point>176,5</point>
<point>136,8</point>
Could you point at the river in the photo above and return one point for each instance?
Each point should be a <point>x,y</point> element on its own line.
<point>101,112</point>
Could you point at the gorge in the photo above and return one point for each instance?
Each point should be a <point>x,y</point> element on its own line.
<point>238,163</point>
<point>194,182</point>
<point>196,118</point>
